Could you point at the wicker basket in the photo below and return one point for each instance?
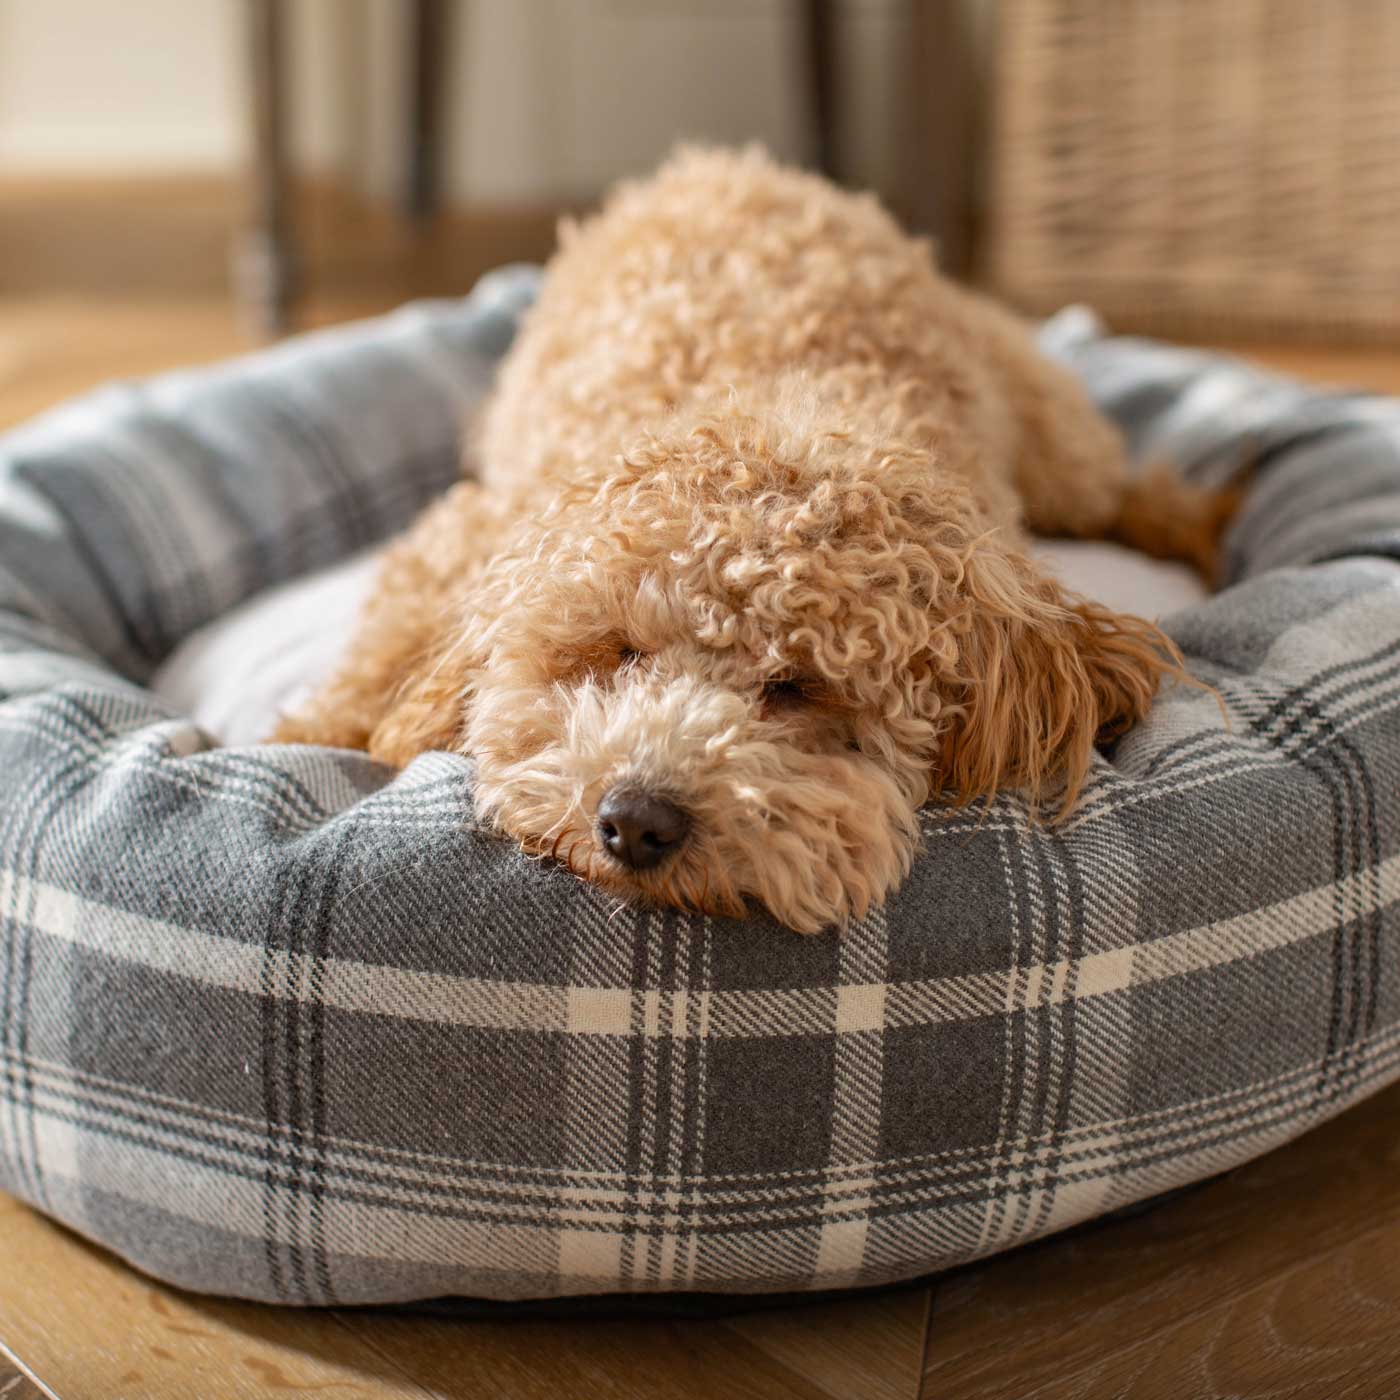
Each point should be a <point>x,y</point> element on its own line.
<point>1224,168</point>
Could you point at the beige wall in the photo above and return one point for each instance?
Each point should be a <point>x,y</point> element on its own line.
<point>86,84</point>
<point>135,86</point>
<point>548,99</point>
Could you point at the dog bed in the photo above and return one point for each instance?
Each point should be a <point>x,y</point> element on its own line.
<point>281,1023</point>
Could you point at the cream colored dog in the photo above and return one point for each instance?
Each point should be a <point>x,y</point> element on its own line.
<point>744,581</point>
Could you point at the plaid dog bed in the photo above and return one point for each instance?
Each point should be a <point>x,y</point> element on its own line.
<point>283,1024</point>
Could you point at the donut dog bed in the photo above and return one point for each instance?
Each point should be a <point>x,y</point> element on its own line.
<point>282,1023</point>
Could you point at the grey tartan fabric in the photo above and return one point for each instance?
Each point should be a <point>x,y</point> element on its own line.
<point>279,1023</point>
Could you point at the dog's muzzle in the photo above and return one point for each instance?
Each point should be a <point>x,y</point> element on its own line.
<point>639,829</point>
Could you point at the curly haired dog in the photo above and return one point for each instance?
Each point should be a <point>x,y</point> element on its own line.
<point>744,581</point>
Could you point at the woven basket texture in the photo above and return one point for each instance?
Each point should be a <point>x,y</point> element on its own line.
<point>1201,167</point>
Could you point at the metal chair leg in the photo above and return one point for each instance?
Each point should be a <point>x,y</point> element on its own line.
<point>265,259</point>
<point>945,139</point>
<point>822,82</point>
<point>428,42</point>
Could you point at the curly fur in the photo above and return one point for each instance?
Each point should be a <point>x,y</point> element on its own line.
<point>749,534</point>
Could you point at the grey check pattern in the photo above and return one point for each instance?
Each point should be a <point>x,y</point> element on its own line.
<point>282,1024</point>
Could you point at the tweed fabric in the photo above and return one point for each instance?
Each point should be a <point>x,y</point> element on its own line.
<point>283,1024</point>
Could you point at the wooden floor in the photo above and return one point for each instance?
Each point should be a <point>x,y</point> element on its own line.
<point>1282,1280</point>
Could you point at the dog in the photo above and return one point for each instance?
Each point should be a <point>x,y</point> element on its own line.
<point>743,580</point>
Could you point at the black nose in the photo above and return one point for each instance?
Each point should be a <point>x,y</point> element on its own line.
<point>640,829</point>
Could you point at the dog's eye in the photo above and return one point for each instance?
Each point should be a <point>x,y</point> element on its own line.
<point>786,691</point>
<point>600,658</point>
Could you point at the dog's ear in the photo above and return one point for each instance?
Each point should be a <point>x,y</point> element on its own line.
<point>1040,676</point>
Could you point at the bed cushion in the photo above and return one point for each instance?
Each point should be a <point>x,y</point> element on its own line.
<point>281,1023</point>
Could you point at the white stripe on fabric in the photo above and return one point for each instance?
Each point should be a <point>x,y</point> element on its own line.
<point>380,989</point>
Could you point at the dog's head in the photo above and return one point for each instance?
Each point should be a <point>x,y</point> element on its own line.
<point>739,667</point>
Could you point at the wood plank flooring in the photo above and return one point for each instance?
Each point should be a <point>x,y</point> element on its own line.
<point>1281,1279</point>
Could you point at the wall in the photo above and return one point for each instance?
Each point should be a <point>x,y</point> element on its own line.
<point>91,85</point>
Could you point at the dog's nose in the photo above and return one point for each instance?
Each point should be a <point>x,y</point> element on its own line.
<point>640,829</point>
